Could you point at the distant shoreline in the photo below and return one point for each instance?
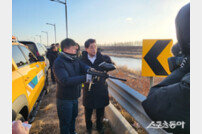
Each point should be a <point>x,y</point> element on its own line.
<point>123,55</point>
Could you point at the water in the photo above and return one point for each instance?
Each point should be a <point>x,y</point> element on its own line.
<point>131,63</point>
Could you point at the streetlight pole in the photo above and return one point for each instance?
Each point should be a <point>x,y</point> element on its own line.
<point>46,34</point>
<point>66,18</point>
<point>65,3</point>
<point>54,29</point>
<point>39,37</point>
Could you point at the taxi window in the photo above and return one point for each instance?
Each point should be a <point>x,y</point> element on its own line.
<point>31,58</point>
<point>32,47</point>
<point>18,57</point>
<point>41,50</point>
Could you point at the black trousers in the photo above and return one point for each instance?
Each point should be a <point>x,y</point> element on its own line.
<point>52,75</point>
<point>99,117</point>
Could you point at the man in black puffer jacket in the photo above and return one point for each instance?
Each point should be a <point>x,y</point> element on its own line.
<point>97,98</point>
<point>170,99</point>
<point>69,73</point>
<point>52,54</point>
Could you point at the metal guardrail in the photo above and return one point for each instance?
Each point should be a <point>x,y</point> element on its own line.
<point>131,101</point>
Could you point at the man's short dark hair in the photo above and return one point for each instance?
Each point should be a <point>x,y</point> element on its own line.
<point>66,43</point>
<point>88,42</point>
<point>52,45</point>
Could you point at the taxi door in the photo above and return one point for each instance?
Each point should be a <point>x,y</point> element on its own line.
<point>37,82</point>
<point>26,71</point>
<point>32,76</point>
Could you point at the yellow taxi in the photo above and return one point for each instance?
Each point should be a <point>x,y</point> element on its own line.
<point>28,81</point>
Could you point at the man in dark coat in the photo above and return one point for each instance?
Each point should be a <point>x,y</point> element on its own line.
<point>52,55</point>
<point>97,98</point>
<point>170,99</point>
<point>69,73</point>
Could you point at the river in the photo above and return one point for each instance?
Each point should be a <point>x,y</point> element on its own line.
<point>131,63</point>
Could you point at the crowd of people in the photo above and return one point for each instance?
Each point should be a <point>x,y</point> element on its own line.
<point>167,101</point>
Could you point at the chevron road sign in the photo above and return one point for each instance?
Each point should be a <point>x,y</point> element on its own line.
<point>155,54</point>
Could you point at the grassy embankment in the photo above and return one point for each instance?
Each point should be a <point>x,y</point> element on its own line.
<point>135,80</point>
<point>123,50</point>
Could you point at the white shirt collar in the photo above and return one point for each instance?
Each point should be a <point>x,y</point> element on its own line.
<point>92,59</point>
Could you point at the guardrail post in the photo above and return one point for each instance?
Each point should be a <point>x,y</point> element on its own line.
<point>151,81</point>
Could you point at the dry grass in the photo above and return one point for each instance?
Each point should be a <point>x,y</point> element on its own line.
<point>136,56</point>
<point>128,117</point>
<point>135,80</point>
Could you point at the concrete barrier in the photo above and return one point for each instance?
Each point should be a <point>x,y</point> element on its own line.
<point>118,123</point>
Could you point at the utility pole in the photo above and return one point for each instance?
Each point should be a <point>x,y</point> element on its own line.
<point>64,3</point>
<point>54,29</point>
<point>46,34</point>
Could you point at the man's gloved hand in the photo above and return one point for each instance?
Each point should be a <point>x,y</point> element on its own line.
<point>92,69</point>
<point>88,75</point>
<point>88,78</point>
<point>185,65</point>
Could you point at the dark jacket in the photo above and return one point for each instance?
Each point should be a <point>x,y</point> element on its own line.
<point>170,101</point>
<point>52,55</point>
<point>98,96</point>
<point>182,24</point>
<point>69,73</point>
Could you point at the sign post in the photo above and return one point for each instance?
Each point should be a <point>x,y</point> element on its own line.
<point>151,79</point>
